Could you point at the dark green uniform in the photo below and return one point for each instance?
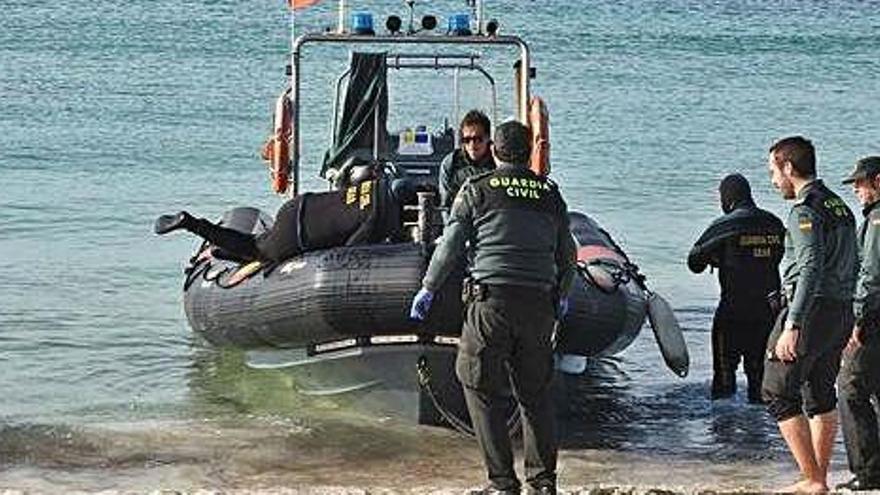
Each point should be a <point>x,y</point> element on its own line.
<point>859,379</point>
<point>523,259</point>
<point>819,272</point>
<point>455,169</point>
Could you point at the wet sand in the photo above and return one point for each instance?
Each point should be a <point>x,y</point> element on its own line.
<point>266,455</point>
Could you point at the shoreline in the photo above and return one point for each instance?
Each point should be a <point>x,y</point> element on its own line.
<point>268,456</point>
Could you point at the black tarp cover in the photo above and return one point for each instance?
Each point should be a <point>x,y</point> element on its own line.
<point>367,93</point>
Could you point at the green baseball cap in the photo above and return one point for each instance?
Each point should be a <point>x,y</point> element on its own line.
<point>865,168</point>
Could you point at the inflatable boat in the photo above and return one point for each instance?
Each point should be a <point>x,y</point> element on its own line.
<point>337,319</point>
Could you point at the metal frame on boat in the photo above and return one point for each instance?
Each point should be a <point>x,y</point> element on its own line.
<point>523,86</point>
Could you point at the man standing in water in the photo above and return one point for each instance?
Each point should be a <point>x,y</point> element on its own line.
<point>523,265</point>
<point>803,352</point>
<point>745,245</point>
<point>859,380</point>
<point>471,158</point>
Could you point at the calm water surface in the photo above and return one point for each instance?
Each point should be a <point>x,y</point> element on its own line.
<point>115,112</point>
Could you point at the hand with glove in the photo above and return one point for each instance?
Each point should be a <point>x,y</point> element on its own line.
<point>421,304</point>
<point>562,308</point>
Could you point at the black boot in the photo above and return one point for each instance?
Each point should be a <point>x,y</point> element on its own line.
<point>858,484</point>
<point>545,489</point>
<point>167,223</point>
<point>491,490</point>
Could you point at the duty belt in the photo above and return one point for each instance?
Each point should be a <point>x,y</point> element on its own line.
<point>475,291</point>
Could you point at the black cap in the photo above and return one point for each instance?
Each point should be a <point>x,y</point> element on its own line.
<point>866,168</point>
<point>511,142</point>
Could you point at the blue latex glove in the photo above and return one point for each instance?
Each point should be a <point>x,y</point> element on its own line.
<point>562,308</point>
<point>421,304</point>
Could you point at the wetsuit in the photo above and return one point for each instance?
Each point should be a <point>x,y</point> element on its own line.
<point>516,226</point>
<point>745,245</point>
<point>455,168</point>
<point>859,380</point>
<point>359,214</point>
<point>818,278</point>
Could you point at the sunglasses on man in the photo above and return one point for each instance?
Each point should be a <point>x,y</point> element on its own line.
<point>473,139</point>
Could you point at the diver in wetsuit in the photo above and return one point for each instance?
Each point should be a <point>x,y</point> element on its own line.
<point>745,245</point>
<point>363,213</point>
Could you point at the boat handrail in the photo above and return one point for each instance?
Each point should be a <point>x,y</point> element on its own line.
<point>501,40</point>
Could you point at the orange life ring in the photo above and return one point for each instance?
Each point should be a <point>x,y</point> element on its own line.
<point>277,147</point>
<point>539,124</point>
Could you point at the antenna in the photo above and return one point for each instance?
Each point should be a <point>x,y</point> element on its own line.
<point>476,7</point>
<point>411,4</point>
<point>340,29</point>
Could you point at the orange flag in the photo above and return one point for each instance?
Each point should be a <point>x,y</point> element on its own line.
<point>301,4</point>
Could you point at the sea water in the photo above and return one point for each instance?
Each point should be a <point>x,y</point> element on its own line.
<point>114,112</point>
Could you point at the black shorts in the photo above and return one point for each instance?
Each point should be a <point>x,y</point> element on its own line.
<point>807,384</point>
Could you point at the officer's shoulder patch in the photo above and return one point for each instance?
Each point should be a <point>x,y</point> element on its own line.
<point>804,218</point>
<point>805,221</point>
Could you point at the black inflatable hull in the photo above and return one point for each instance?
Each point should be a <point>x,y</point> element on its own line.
<point>324,298</point>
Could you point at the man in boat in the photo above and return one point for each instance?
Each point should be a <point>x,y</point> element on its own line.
<point>364,212</point>
<point>472,158</point>
<point>859,380</point>
<point>745,245</point>
<point>804,349</point>
<point>523,265</point>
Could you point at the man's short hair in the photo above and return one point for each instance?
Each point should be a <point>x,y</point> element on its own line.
<point>476,118</point>
<point>799,151</point>
<point>512,143</point>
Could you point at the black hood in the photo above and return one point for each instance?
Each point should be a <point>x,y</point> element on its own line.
<point>735,191</point>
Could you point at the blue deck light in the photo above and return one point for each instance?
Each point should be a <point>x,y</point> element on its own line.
<point>459,25</point>
<point>362,23</point>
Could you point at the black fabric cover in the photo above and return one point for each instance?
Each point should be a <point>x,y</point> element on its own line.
<point>366,94</point>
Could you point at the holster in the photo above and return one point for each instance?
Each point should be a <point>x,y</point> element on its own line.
<point>472,291</point>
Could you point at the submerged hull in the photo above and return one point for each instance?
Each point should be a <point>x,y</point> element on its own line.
<point>412,382</point>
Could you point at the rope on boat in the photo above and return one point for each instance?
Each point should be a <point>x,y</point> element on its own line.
<point>514,423</point>
<point>620,273</point>
<point>630,267</point>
